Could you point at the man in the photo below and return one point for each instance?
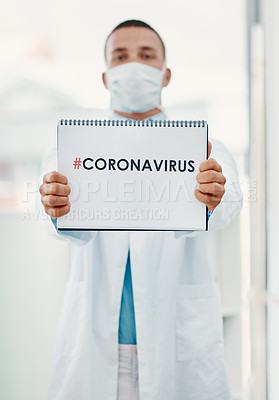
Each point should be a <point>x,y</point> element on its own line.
<point>141,317</point>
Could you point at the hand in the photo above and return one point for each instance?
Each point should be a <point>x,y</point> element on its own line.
<point>55,194</point>
<point>211,182</point>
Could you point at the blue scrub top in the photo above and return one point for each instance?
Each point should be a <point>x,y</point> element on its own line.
<point>127,325</point>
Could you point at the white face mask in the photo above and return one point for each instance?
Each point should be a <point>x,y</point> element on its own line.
<point>135,87</point>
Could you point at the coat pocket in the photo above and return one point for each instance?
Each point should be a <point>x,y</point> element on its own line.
<point>199,329</point>
<point>72,319</point>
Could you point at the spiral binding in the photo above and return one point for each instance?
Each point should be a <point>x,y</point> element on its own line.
<point>131,122</point>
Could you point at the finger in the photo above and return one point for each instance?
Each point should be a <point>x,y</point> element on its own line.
<point>53,201</point>
<point>211,176</point>
<point>214,188</point>
<point>57,189</point>
<point>57,212</point>
<point>208,199</point>
<point>210,164</point>
<point>55,176</point>
<point>209,148</point>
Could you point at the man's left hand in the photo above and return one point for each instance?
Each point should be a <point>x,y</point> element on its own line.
<point>211,182</point>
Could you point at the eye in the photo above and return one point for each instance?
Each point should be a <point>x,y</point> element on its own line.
<point>147,56</point>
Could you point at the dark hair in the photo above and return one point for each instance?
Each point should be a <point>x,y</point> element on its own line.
<point>137,23</point>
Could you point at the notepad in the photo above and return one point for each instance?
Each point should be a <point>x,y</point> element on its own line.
<point>132,175</point>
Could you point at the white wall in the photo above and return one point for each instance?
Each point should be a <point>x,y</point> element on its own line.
<point>271,13</point>
<point>34,268</point>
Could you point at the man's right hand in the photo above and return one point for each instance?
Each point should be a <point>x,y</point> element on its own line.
<point>55,194</point>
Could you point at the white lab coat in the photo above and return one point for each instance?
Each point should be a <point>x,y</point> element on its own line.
<point>177,308</point>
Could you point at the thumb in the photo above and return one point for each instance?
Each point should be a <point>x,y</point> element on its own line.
<point>209,149</point>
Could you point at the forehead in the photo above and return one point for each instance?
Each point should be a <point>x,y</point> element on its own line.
<point>132,38</point>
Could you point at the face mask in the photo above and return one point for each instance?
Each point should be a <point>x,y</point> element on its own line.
<point>134,87</point>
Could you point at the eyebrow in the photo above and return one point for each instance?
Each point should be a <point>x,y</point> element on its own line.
<point>118,49</point>
<point>147,48</point>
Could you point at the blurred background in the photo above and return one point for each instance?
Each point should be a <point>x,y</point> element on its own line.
<point>224,60</point>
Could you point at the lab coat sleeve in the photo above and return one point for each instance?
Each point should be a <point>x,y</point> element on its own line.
<point>232,201</point>
<point>49,163</point>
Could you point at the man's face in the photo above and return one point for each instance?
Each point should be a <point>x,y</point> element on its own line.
<point>135,44</point>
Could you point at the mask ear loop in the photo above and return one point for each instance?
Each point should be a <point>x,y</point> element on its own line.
<point>163,73</point>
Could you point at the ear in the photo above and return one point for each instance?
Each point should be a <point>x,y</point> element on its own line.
<point>167,77</point>
<point>104,80</point>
